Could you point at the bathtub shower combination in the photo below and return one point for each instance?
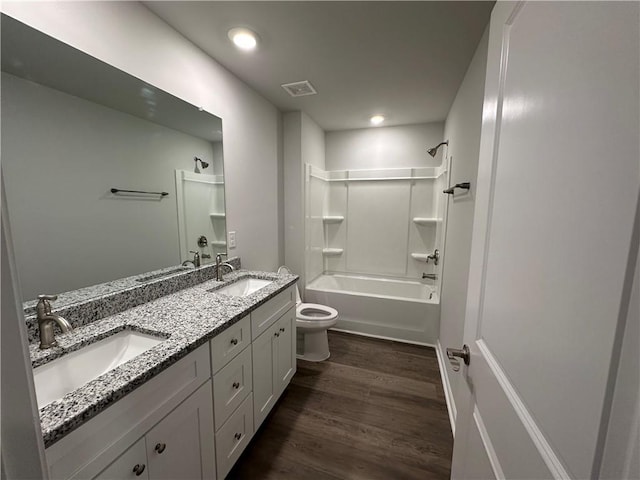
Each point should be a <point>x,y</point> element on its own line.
<point>370,237</point>
<point>400,309</point>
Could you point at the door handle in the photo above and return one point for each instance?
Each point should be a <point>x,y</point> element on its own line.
<point>462,353</point>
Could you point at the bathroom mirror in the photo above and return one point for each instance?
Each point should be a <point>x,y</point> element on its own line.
<point>78,133</point>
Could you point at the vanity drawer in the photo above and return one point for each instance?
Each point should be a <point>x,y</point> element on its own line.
<point>263,316</point>
<point>226,345</point>
<point>234,436</point>
<point>231,385</point>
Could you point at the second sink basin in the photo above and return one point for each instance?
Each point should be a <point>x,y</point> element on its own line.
<point>63,375</point>
<point>244,287</point>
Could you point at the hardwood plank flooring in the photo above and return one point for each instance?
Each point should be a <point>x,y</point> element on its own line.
<point>374,410</point>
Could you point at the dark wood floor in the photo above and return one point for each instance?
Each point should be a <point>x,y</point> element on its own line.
<point>374,410</point>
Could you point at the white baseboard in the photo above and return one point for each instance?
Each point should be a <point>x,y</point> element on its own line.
<point>446,386</point>
<point>382,337</point>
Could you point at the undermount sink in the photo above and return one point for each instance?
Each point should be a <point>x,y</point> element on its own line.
<point>244,287</point>
<point>63,375</point>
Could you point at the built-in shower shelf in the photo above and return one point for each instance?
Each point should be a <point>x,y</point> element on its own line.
<point>332,219</point>
<point>330,252</point>
<point>217,215</point>
<point>422,257</point>
<point>425,220</point>
<point>219,243</point>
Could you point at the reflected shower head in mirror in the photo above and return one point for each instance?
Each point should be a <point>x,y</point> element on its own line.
<point>202,162</point>
<point>434,150</point>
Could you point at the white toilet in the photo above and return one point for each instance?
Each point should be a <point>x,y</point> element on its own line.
<point>312,322</point>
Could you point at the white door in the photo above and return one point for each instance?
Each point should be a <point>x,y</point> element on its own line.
<point>557,193</point>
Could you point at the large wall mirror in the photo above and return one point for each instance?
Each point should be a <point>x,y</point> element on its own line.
<point>73,129</point>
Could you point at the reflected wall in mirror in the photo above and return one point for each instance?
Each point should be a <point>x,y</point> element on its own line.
<point>73,128</point>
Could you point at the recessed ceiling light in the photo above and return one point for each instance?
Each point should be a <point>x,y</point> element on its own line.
<point>243,38</point>
<point>377,119</point>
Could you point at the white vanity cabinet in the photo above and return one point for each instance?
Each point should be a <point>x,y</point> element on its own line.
<point>180,446</point>
<point>194,419</point>
<point>274,361</point>
<point>99,446</point>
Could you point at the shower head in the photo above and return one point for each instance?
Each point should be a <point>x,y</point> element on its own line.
<point>202,162</point>
<point>434,150</point>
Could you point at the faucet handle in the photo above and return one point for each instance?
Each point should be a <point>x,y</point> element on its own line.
<point>50,298</point>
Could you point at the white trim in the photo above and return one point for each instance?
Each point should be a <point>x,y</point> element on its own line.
<point>446,386</point>
<point>202,177</point>
<point>547,454</point>
<point>377,174</point>
<point>488,444</point>
<point>382,337</point>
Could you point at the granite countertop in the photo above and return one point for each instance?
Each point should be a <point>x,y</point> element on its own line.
<point>187,319</point>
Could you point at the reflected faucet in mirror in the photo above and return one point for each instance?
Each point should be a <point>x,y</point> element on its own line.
<point>46,319</point>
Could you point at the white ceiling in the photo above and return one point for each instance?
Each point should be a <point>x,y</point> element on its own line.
<point>403,59</point>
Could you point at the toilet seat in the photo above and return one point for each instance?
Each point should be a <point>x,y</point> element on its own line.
<point>314,312</point>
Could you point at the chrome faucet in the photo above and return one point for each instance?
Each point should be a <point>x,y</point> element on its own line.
<point>219,266</point>
<point>46,319</point>
<point>435,257</point>
<point>430,276</point>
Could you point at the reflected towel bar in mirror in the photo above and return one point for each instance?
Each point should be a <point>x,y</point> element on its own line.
<point>115,191</point>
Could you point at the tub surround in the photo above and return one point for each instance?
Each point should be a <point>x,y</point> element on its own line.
<point>186,317</point>
<point>397,309</point>
<point>89,304</point>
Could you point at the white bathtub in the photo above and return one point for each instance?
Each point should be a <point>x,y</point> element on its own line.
<point>398,309</point>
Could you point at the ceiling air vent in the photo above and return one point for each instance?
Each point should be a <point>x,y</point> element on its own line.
<point>299,89</point>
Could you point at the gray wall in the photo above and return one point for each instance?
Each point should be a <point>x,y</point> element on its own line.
<point>462,128</point>
<point>304,142</point>
<point>383,147</point>
<point>60,156</point>
<point>128,36</point>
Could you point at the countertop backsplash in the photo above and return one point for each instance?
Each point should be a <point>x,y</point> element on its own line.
<point>89,304</point>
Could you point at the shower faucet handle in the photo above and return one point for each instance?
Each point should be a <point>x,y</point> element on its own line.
<point>435,257</point>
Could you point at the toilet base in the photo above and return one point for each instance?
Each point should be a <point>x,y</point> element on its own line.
<point>316,346</point>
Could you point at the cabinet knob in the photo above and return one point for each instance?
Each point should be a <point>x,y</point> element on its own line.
<point>238,436</point>
<point>138,469</point>
<point>234,341</point>
<point>160,447</point>
<point>236,385</point>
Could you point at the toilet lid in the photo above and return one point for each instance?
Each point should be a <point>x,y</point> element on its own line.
<point>313,312</point>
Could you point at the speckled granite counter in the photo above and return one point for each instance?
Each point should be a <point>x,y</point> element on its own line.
<point>187,319</point>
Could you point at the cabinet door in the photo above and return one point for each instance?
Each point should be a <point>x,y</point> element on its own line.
<point>132,464</point>
<point>265,382</point>
<point>285,353</point>
<point>182,444</point>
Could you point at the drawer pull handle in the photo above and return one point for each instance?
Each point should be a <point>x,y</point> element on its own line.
<point>160,447</point>
<point>234,341</point>
<point>282,329</point>
<point>236,385</point>
<point>238,436</point>
<point>138,469</point>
